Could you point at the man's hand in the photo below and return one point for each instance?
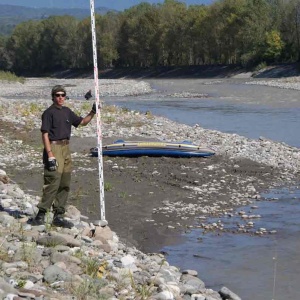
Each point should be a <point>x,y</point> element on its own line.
<point>52,164</point>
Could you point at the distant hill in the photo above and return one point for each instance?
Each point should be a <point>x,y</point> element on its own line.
<point>12,15</point>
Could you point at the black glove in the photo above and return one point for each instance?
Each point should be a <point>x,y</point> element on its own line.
<point>94,108</point>
<point>52,164</point>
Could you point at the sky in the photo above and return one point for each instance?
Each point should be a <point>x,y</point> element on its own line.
<point>112,4</point>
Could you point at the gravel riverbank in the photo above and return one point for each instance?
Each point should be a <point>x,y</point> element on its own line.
<point>54,263</point>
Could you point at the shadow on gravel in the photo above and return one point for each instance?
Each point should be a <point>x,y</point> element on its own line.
<point>177,72</point>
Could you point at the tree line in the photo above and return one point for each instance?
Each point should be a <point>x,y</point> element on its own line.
<point>245,32</point>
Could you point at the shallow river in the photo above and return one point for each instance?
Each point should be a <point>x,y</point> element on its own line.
<point>254,267</point>
<point>248,110</point>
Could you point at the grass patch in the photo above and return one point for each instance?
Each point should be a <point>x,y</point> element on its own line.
<point>122,195</point>
<point>9,76</point>
<point>260,66</point>
<point>110,109</point>
<point>108,187</point>
<point>149,115</point>
<point>86,106</point>
<point>91,267</point>
<point>109,119</point>
<point>4,256</point>
<point>32,109</point>
<point>135,124</point>
<point>88,289</point>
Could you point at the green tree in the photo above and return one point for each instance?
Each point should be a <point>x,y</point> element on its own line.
<point>290,30</point>
<point>257,23</point>
<point>107,37</point>
<point>175,33</point>
<point>59,42</point>
<point>197,41</point>
<point>167,34</point>
<point>22,46</point>
<point>5,60</point>
<point>231,31</point>
<point>273,46</point>
<point>83,51</point>
<point>139,38</point>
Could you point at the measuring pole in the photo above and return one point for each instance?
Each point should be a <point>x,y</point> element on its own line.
<point>103,221</point>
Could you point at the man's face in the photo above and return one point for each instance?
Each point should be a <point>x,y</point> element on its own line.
<point>59,98</point>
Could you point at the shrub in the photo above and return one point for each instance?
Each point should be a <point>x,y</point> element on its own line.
<point>8,76</point>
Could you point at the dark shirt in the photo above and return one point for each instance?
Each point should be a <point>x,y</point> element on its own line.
<point>58,122</point>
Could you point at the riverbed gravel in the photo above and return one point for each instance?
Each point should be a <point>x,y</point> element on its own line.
<point>22,103</point>
<point>282,83</point>
<point>33,260</point>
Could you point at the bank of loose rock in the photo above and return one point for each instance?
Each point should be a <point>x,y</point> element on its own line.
<point>85,262</point>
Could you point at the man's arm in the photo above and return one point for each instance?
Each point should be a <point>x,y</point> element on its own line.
<point>46,142</point>
<point>87,119</point>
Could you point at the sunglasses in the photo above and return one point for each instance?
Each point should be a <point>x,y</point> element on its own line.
<point>60,95</point>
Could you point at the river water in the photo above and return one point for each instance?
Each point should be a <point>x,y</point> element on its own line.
<point>231,107</point>
<point>254,267</point>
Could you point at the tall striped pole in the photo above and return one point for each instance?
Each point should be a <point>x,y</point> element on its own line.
<point>103,221</point>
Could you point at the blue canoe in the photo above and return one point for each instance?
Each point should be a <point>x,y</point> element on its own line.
<point>144,148</point>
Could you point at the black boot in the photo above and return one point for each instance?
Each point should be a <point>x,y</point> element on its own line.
<point>59,221</point>
<point>39,218</point>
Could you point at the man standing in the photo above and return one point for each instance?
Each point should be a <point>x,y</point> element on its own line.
<point>57,121</point>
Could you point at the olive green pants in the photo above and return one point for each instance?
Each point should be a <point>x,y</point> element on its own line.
<point>57,183</point>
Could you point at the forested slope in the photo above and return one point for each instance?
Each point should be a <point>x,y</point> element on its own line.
<point>247,33</point>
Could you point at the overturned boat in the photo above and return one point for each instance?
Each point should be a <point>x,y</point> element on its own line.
<point>150,148</point>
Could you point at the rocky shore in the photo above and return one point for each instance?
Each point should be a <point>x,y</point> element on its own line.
<point>88,261</point>
<point>85,262</point>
